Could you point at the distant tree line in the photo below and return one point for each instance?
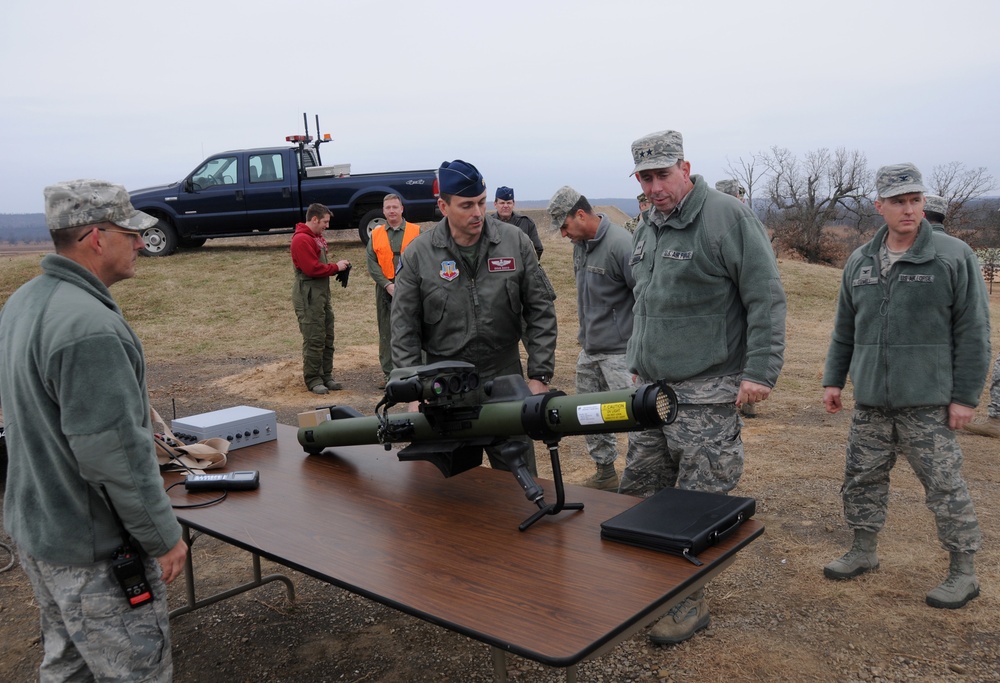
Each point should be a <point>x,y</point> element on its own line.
<point>798,198</point>
<point>23,227</point>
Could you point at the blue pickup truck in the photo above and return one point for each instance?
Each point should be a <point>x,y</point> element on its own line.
<point>266,191</point>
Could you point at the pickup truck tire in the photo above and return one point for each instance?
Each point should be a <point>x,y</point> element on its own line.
<point>369,222</point>
<point>160,240</point>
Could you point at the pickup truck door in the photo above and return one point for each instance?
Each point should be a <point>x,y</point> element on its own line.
<point>213,200</point>
<point>271,198</point>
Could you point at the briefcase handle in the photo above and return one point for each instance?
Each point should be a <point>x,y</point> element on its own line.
<point>720,534</point>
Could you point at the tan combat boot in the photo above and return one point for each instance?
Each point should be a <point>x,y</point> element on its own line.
<point>984,426</point>
<point>960,586</point>
<point>859,559</point>
<point>684,620</point>
<point>604,479</point>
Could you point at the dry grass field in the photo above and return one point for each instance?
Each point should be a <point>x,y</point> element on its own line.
<point>218,330</point>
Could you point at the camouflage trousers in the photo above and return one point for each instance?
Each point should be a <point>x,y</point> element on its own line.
<point>602,372</point>
<point>993,409</point>
<point>922,435</point>
<point>89,632</point>
<point>701,450</point>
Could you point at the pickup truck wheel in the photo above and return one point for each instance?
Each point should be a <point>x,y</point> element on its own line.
<point>160,240</point>
<point>369,222</point>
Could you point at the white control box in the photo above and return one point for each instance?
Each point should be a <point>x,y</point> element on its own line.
<point>241,426</point>
<point>335,171</point>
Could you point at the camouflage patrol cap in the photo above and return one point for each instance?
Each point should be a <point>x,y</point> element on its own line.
<point>935,204</point>
<point>729,186</point>
<point>898,179</point>
<point>87,202</point>
<point>643,199</point>
<point>562,201</point>
<point>657,150</point>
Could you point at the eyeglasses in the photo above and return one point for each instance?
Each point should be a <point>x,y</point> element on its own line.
<point>131,233</point>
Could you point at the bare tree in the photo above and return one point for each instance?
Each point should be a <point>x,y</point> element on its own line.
<point>958,184</point>
<point>806,195</point>
<point>748,172</point>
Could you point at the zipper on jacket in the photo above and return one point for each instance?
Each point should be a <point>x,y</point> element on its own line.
<point>883,312</point>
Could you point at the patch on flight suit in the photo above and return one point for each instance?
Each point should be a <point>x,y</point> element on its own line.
<point>916,278</point>
<point>501,264</point>
<point>449,271</point>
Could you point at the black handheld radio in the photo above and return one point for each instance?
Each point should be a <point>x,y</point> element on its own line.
<point>126,564</point>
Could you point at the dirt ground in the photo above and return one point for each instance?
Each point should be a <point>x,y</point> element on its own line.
<point>774,616</point>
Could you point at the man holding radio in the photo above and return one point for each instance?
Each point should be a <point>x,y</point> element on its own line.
<point>84,500</point>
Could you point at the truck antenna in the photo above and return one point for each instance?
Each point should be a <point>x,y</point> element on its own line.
<point>320,139</point>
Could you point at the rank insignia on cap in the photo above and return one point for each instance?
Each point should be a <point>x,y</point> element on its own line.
<point>501,265</point>
<point>449,271</point>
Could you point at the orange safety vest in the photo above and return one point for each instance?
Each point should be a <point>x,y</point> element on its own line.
<point>383,252</point>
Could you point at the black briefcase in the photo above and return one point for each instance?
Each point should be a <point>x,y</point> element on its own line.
<point>679,521</point>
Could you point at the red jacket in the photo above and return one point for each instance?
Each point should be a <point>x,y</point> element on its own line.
<point>307,250</point>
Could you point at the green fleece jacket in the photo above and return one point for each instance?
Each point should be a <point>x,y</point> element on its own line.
<point>708,296</point>
<point>76,412</point>
<point>919,337</point>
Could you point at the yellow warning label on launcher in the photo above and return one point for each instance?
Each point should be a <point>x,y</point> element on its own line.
<point>600,413</point>
<point>614,412</point>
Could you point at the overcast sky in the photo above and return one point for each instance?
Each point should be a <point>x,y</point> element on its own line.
<point>536,94</point>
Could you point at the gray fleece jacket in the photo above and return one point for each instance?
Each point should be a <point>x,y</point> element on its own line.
<point>76,412</point>
<point>708,296</point>
<point>918,337</point>
<point>604,285</point>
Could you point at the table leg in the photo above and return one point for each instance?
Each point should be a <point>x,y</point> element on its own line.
<point>193,603</point>
<point>499,664</point>
<point>500,667</point>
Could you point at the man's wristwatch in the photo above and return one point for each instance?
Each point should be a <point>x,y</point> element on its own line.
<point>544,379</point>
